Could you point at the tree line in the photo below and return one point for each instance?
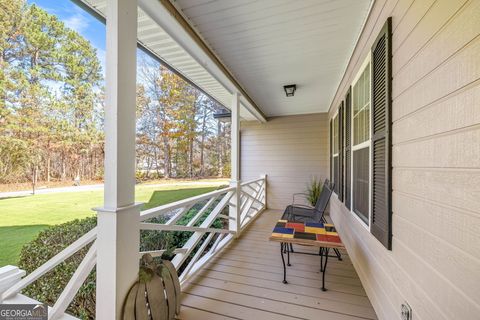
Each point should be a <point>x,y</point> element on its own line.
<point>52,102</point>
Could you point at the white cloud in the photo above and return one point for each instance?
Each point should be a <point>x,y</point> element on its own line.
<point>76,22</point>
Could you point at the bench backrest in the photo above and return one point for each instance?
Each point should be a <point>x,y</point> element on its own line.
<point>324,197</point>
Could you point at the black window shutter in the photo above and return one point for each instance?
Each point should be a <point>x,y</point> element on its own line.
<point>340,152</point>
<point>381,153</point>
<point>331,150</point>
<point>348,148</point>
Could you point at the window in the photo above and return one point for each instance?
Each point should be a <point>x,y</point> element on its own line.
<point>335,153</point>
<point>367,135</point>
<point>361,138</point>
<point>361,107</point>
<point>361,143</point>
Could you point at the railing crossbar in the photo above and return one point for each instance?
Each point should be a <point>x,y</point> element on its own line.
<point>195,238</point>
<point>246,215</point>
<point>255,198</point>
<point>201,211</point>
<point>242,199</point>
<point>244,191</point>
<point>52,263</point>
<point>217,241</point>
<point>196,256</point>
<point>207,257</point>
<point>180,214</point>
<point>153,212</point>
<point>253,181</point>
<point>224,216</point>
<point>75,282</point>
<point>244,202</point>
<point>158,253</point>
<point>166,227</point>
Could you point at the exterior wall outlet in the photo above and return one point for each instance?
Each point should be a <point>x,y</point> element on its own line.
<point>406,311</point>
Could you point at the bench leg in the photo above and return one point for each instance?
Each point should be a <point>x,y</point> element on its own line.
<point>339,255</point>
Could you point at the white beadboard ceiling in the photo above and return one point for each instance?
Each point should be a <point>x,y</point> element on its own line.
<point>270,43</point>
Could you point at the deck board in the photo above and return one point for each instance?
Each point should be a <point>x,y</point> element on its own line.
<point>244,282</point>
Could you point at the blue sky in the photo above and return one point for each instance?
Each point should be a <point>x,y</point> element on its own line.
<point>77,19</point>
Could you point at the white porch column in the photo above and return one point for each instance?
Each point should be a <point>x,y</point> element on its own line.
<point>118,221</point>
<point>234,209</point>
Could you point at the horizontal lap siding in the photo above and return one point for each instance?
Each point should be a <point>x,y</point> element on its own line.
<point>290,150</point>
<point>436,168</point>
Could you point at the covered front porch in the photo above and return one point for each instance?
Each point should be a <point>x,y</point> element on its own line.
<point>231,272</point>
<point>227,267</point>
<point>386,107</point>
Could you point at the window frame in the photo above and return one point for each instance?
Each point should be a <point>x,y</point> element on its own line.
<point>335,117</point>
<point>337,154</point>
<point>361,145</point>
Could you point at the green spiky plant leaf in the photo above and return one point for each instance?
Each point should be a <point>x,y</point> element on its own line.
<point>314,188</point>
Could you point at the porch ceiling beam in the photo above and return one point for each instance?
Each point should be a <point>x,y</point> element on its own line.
<point>173,23</point>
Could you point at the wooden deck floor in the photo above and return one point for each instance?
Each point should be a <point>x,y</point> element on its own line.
<point>245,282</point>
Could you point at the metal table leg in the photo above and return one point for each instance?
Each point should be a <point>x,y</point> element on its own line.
<point>283,261</point>
<point>325,251</point>
<point>288,255</point>
<point>321,258</point>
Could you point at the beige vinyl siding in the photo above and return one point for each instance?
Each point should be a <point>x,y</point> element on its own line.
<point>289,149</point>
<point>435,261</point>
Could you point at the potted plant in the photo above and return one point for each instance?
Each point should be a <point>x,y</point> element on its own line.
<point>314,189</point>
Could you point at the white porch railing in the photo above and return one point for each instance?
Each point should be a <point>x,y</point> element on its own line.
<point>188,260</point>
<point>194,254</point>
<point>79,276</point>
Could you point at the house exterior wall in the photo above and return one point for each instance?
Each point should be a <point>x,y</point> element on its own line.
<point>435,261</point>
<point>290,150</point>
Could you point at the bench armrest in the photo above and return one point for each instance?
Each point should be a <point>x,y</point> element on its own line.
<point>301,195</point>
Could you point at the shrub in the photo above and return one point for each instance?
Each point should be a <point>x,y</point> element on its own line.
<point>47,244</point>
<point>143,175</point>
<point>155,240</point>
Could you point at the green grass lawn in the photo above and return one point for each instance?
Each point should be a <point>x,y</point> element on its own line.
<point>22,218</point>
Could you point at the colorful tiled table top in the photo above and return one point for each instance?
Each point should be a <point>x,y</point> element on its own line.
<point>308,233</point>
